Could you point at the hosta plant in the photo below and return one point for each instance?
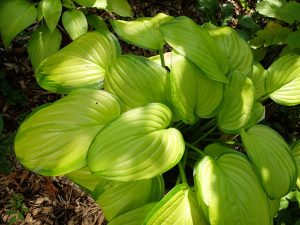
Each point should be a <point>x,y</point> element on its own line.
<point>128,122</point>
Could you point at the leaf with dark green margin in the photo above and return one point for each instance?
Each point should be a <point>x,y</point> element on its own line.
<point>116,197</point>
<point>235,111</point>
<point>283,80</point>
<point>15,16</point>
<point>80,64</point>
<point>137,145</point>
<point>272,159</point>
<point>296,154</point>
<point>54,140</point>
<point>178,207</point>
<point>192,93</point>
<point>195,43</point>
<point>42,44</point>
<point>293,40</point>
<point>229,191</point>
<point>51,11</point>
<point>75,23</point>
<point>235,48</point>
<point>258,79</point>
<point>136,81</point>
<point>142,32</point>
<point>133,217</point>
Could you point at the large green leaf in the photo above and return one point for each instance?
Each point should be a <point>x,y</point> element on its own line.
<point>296,154</point>
<point>142,32</point>
<point>258,79</point>
<point>133,217</point>
<point>75,23</point>
<point>42,44</point>
<point>137,145</point>
<point>236,107</point>
<point>15,16</point>
<point>192,93</point>
<point>116,197</point>
<point>136,81</point>
<point>229,191</point>
<point>235,48</point>
<point>178,207</point>
<point>293,40</point>
<point>55,139</point>
<point>272,158</point>
<point>80,64</point>
<point>195,43</point>
<point>283,80</point>
<point>51,11</point>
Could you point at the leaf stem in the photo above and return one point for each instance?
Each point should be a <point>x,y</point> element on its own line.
<point>205,135</point>
<point>182,173</point>
<point>195,149</point>
<point>162,58</point>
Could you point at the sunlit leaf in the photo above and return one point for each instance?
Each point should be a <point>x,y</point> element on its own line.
<point>42,44</point>
<point>283,80</point>
<point>116,197</point>
<point>257,114</point>
<point>80,64</point>
<point>142,32</point>
<point>215,150</point>
<point>75,23</point>
<point>136,81</point>
<point>15,16</point>
<point>236,107</point>
<point>192,93</point>
<point>272,158</point>
<point>258,79</point>
<point>137,145</point>
<point>54,140</point>
<point>178,207</point>
<point>229,191</point>
<point>51,11</point>
<point>195,43</point>
<point>40,15</point>
<point>168,58</point>
<point>296,154</point>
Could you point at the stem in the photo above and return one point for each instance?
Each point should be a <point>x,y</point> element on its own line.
<point>205,135</point>
<point>182,173</point>
<point>195,149</point>
<point>162,58</point>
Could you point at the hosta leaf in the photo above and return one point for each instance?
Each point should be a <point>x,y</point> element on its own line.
<point>296,154</point>
<point>42,44</point>
<point>80,64</point>
<point>236,107</point>
<point>215,150</point>
<point>136,80</point>
<point>40,15</point>
<point>293,40</point>
<point>235,48</point>
<point>168,58</point>
<point>54,140</point>
<point>51,11</point>
<point>68,4</point>
<point>258,79</point>
<point>178,207</point>
<point>97,23</point>
<point>274,206</point>
<point>133,217</point>
<point>272,158</point>
<point>195,43</point>
<point>137,145</point>
<point>142,32</point>
<point>283,80</point>
<point>257,114</point>
<point>116,197</point>
<point>75,23</point>
<point>192,93</point>
<point>15,16</point>
<point>229,191</point>
<point>84,179</point>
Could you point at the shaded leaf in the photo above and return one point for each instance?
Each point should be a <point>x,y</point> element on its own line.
<point>258,79</point>
<point>257,114</point>
<point>296,154</point>
<point>293,40</point>
<point>97,23</point>
<point>75,23</point>
<point>68,4</point>
<point>51,11</point>
<point>54,140</point>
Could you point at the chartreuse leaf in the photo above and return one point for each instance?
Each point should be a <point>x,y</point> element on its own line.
<point>236,107</point>
<point>75,23</point>
<point>116,197</point>
<point>80,64</point>
<point>136,81</point>
<point>283,80</point>
<point>296,154</point>
<point>178,207</point>
<point>258,79</point>
<point>257,114</point>
<point>54,140</point>
<point>137,145</point>
<point>42,44</point>
<point>272,158</point>
<point>197,45</point>
<point>133,217</point>
<point>15,16</point>
<point>235,48</point>
<point>68,4</point>
<point>192,93</point>
<point>142,32</point>
<point>40,15</point>
<point>84,179</point>
<point>51,11</point>
<point>229,191</point>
